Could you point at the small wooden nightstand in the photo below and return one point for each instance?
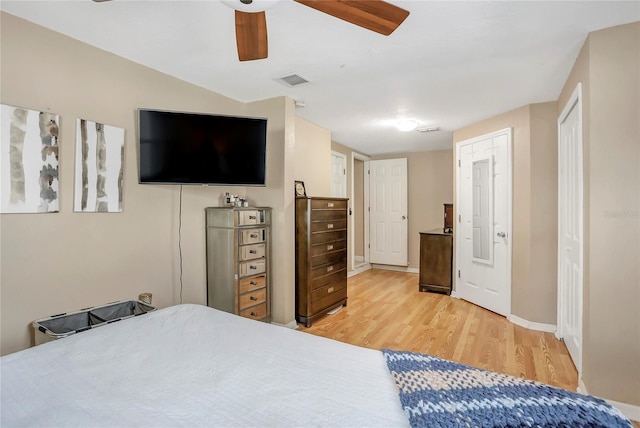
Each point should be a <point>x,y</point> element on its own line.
<point>436,258</point>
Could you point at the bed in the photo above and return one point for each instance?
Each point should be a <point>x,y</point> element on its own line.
<point>193,366</point>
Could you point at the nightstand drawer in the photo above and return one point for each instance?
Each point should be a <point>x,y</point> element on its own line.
<point>252,236</point>
<point>328,214</point>
<point>257,312</point>
<point>253,298</point>
<point>252,267</point>
<point>328,204</point>
<point>250,252</point>
<point>252,283</point>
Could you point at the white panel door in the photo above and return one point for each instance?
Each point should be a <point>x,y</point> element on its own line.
<point>570,262</point>
<point>388,211</point>
<point>338,175</point>
<point>483,236</point>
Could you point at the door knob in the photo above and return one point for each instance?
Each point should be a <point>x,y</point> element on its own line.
<point>404,217</point>
<point>501,234</point>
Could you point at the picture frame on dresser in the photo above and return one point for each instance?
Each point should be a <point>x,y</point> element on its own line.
<point>300,190</point>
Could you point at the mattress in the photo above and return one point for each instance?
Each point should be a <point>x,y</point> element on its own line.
<point>192,366</point>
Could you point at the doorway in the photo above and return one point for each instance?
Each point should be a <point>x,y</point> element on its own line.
<point>484,207</point>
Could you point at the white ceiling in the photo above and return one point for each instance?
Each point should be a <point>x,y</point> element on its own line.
<point>449,64</point>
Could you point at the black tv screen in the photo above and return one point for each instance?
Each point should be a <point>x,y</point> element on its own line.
<point>192,148</point>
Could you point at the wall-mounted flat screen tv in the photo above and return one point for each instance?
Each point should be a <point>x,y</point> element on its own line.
<point>193,148</point>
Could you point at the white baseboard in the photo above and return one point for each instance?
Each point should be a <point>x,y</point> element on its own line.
<point>358,270</point>
<point>531,325</point>
<point>359,258</point>
<point>629,410</point>
<point>291,324</point>
<point>454,294</point>
<point>395,268</point>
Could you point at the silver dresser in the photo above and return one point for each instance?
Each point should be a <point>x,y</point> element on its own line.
<point>238,261</point>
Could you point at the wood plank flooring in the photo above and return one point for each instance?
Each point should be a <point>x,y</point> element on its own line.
<point>386,310</point>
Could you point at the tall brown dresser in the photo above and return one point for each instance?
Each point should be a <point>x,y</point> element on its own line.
<point>321,256</point>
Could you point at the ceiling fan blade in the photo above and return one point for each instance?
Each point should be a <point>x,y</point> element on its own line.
<point>374,15</point>
<point>251,35</point>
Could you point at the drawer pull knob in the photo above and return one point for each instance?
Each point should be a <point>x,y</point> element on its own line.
<point>254,298</point>
<point>253,252</point>
<point>330,226</point>
<point>253,267</point>
<point>254,235</point>
<point>329,247</point>
<point>253,283</point>
<point>330,290</point>
<point>254,314</point>
<point>252,217</point>
<point>329,269</point>
<point>329,204</point>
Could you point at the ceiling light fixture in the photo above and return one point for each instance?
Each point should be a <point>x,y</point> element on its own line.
<point>406,125</point>
<point>250,6</point>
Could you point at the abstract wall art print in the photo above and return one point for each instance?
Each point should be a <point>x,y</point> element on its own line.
<point>28,160</point>
<point>99,167</point>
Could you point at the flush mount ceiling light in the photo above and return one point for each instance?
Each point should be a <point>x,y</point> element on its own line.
<point>250,6</point>
<point>406,125</point>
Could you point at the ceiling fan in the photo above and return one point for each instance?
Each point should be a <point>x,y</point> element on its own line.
<point>251,24</point>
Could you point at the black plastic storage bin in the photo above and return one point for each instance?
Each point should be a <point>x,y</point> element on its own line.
<point>64,325</point>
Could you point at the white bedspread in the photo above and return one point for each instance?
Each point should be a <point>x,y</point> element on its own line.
<point>193,366</point>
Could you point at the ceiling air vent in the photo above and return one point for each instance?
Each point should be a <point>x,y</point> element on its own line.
<point>292,80</point>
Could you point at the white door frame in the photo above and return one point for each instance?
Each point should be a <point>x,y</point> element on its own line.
<point>574,101</point>
<point>352,234</point>
<point>509,133</point>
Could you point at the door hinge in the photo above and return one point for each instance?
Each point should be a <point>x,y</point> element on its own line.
<point>369,209</point>
<point>459,218</point>
<point>368,245</point>
<point>459,163</point>
<point>344,171</point>
<point>458,273</point>
<point>368,172</point>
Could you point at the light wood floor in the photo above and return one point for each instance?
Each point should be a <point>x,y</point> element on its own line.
<point>386,310</point>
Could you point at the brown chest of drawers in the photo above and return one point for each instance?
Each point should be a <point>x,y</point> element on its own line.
<point>321,256</point>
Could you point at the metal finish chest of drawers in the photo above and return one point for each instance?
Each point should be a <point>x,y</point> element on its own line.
<point>321,256</point>
<point>238,261</point>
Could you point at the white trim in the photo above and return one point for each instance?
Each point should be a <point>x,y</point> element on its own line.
<point>395,268</point>
<point>631,411</point>
<point>532,325</point>
<point>291,324</point>
<point>352,231</point>
<point>574,100</point>
<point>509,133</point>
<point>454,294</point>
<point>344,158</point>
<point>358,270</point>
<point>359,259</point>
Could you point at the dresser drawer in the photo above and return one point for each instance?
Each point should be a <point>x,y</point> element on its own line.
<point>324,237</point>
<point>252,267</point>
<point>250,217</point>
<point>319,271</point>
<point>328,214</point>
<point>253,298</point>
<point>328,225</point>
<point>318,204</point>
<point>329,247</point>
<point>252,236</point>
<point>327,296</point>
<point>250,252</point>
<point>257,312</point>
<point>332,257</point>
<point>321,281</point>
<point>252,283</point>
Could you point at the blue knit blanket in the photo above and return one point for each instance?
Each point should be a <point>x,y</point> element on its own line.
<point>440,393</point>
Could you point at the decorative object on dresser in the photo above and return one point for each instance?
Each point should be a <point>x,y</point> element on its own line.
<point>448,218</point>
<point>238,261</point>
<point>436,258</point>
<point>321,256</point>
<point>300,190</point>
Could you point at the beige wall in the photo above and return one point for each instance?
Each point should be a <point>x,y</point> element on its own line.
<point>430,185</point>
<point>608,67</point>
<point>53,263</point>
<point>312,158</point>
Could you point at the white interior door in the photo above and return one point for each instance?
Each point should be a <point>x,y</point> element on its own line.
<point>338,175</point>
<point>483,236</point>
<point>388,211</point>
<point>570,232</point>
